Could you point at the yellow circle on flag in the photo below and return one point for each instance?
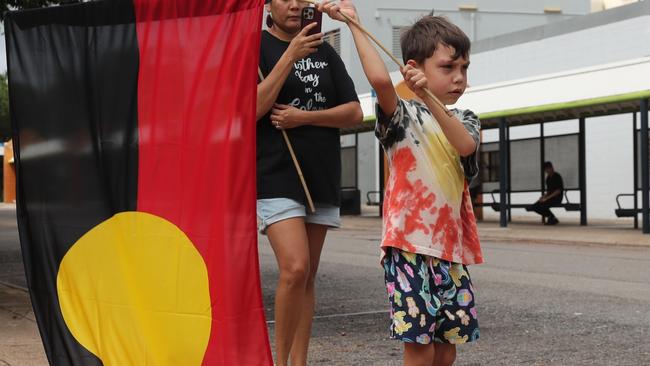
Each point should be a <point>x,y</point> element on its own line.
<point>134,291</point>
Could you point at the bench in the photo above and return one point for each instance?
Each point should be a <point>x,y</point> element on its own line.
<point>626,212</point>
<point>496,206</point>
<point>370,201</point>
<point>350,201</point>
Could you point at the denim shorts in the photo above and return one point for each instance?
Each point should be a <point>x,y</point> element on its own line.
<point>272,210</point>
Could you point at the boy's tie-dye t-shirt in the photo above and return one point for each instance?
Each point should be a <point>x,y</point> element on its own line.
<point>427,206</point>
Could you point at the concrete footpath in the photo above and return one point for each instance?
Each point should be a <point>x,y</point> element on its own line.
<point>526,230</point>
<point>20,343</point>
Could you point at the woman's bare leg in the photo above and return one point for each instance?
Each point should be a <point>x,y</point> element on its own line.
<point>300,347</point>
<point>290,243</point>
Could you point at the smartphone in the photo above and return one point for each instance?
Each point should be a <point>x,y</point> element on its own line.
<point>311,15</point>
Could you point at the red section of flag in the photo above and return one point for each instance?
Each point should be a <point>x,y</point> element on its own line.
<point>196,111</point>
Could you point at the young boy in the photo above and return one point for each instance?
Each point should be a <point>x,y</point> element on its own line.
<point>429,229</point>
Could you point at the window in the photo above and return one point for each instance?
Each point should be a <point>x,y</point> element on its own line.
<point>397,45</point>
<point>349,167</point>
<point>334,39</point>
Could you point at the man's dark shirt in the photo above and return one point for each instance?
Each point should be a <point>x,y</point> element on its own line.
<point>553,183</point>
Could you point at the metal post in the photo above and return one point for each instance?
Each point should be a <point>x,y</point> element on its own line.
<point>582,166</point>
<point>542,159</point>
<point>645,182</point>
<point>503,172</point>
<point>509,185</point>
<point>356,160</point>
<point>635,190</point>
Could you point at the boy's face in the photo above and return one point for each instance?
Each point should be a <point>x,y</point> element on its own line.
<point>447,77</point>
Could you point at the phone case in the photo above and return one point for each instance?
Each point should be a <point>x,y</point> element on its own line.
<point>311,15</point>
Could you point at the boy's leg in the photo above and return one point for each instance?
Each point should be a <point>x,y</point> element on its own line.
<point>416,354</point>
<point>458,321</point>
<point>445,354</point>
<point>413,306</point>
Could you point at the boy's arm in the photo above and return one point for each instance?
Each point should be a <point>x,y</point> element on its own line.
<point>472,125</point>
<point>373,65</point>
<point>451,126</point>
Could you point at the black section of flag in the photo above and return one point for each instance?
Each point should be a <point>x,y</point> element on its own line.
<point>73,74</point>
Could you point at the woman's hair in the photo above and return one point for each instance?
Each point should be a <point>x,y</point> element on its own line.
<point>420,41</point>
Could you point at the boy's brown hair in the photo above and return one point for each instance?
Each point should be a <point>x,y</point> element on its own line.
<point>419,42</point>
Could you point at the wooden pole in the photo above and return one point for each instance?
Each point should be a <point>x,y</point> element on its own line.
<point>310,203</point>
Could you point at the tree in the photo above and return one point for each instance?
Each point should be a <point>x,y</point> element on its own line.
<point>5,122</point>
<point>6,5</point>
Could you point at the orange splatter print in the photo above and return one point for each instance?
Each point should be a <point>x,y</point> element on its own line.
<point>419,215</point>
<point>407,199</point>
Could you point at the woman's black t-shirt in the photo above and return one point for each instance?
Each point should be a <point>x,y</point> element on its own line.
<point>319,81</point>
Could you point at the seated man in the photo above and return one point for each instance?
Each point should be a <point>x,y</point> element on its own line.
<point>553,196</point>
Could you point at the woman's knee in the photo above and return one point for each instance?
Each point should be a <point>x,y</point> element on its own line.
<point>295,274</point>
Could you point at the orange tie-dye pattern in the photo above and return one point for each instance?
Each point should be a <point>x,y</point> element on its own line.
<point>427,207</point>
<point>406,201</point>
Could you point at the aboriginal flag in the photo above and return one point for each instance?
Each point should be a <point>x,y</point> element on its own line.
<point>134,128</point>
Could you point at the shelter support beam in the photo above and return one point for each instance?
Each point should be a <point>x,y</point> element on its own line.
<point>503,172</point>
<point>542,159</point>
<point>645,181</point>
<point>582,166</point>
<point>635,189</point>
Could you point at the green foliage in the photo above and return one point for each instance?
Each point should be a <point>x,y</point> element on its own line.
<point>26,4</point>
<point>5,122</point>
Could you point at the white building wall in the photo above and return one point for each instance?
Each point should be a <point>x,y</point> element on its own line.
<point>608,43</point>
<point>609,140</point>
<point>492,18</point>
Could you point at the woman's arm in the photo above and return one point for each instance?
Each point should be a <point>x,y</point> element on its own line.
<point>341,116</point>
<point>373,65</point>
<point>269,89</point>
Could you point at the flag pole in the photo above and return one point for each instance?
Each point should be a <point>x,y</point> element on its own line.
<point>310,203</point>
<point>433,98</point>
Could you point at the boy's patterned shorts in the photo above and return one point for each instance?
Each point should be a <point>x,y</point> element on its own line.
<point>431,299</point>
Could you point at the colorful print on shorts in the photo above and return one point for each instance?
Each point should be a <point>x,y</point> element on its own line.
<point>431,300</point>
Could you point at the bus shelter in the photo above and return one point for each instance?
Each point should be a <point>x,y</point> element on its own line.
<point>621,88</point>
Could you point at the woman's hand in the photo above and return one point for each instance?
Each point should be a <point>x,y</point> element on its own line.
<point>284,117</point>
<point>415,79</point>
<point>303,45</point>
<point>334,10</point>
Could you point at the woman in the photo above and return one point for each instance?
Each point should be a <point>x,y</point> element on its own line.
<point>307,92</point>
